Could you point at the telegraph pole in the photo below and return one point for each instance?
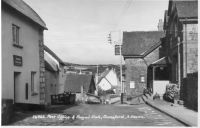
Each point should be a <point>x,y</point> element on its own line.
<point>122,88</point>
<point>120,54</point>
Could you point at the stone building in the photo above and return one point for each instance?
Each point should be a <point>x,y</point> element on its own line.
<point>139,50</point>
<point>181,45</point>
<point>23,69</point>
<point>55,74</point>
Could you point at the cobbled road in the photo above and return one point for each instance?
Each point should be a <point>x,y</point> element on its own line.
<point>97,115</point>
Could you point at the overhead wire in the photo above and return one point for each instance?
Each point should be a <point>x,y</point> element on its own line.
<point>124,11</point>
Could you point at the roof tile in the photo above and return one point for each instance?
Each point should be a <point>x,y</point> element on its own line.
<point>74,82</point>
<point>187,8</point>
<point>137,42</point>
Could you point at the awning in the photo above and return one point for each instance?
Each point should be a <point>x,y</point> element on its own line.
<point>162,61</point>
<point>50,62</point>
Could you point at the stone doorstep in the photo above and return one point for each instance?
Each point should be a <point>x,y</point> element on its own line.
<point>171,114</point>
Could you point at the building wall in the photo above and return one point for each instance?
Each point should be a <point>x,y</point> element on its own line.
<point>112,78</point>
<point>29,40</point>
<point>188,53</point>
<point>191,40</point>
<point>136,68</point>
<point>62,78</point>
<point>52,83</point>
<point>104,84</point>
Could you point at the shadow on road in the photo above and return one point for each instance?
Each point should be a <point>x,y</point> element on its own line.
<point>21,114</point>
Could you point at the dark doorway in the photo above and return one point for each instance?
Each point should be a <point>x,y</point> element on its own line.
<point>16,84</point>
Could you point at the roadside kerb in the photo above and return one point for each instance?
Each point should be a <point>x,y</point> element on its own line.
<point>115,100</point>
<point>185,122</point>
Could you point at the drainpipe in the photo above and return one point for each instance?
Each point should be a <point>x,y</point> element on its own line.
<point>179,65</point>
<point>186,48</point>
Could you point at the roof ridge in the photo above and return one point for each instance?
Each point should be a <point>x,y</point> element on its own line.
<point>47,49</point>
<point>24,9</point>
<point>152,48</point>
<point>142,31</point>
<point>34,12</point>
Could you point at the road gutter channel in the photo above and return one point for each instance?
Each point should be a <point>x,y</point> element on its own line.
<point>186,123</point>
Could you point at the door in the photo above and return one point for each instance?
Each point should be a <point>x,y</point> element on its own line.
<point>16,85</point>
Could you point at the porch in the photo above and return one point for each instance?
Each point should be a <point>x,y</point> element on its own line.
<point>158,76</point>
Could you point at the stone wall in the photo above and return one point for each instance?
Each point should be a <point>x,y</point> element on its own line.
<point>136,68</point>
<point>42,69</point>
<point>192,57</point>
<point>190,90</point>
<point>6,111</point>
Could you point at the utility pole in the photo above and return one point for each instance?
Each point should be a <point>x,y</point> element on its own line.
<point>122,88</point>
<point>119,46</point>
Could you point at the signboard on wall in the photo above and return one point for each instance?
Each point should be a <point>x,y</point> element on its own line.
<point>117,49</point>
<point>17,60</point>
<point>132,84</point>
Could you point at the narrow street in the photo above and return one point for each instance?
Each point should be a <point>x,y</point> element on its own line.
<point>98,115</point>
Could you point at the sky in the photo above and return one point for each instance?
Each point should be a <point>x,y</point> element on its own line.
<point>78,29</point>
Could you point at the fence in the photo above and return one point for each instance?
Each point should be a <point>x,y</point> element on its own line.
<point>63,99</point>
<point>190,92</point>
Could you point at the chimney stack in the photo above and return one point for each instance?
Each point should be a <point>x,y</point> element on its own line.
<point>160,25</point>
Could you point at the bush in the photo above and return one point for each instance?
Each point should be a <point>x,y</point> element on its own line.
<point>172,92</point>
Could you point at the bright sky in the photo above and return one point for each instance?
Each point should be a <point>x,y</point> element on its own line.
<point>78,29</point>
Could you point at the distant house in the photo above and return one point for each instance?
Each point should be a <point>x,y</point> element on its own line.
<point>139,50</point>
<point>108,80</point>
<point>74,83</point>
<point>22,56</point>
<point>54,74</point>
<point>80,84</point>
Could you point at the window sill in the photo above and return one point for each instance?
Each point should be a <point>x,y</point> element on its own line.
<point>18,46</point>
<point>34,93</point>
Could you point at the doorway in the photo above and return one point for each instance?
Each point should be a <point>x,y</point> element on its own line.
<point>16,85</point>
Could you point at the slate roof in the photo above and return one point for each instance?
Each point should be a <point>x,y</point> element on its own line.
<point>103,75</point>
<point>26,10</point>
<point>137,42</point>
<point>187,9</point>
<point>50,63</point>
<point>74,82</point>
<point>53,54</point>
<point>161,61</point>
<point>152,48</point>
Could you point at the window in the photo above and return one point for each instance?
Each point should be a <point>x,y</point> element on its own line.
<point>132,84</point>
<point>142,79</point>
<point>15,34</point>
<point>33,83</point>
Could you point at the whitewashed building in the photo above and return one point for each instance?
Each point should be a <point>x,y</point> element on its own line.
<point>108,80</point>
<point>23,70</point>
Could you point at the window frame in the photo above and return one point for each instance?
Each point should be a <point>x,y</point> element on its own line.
<point>16,36</point>
<point>33,83</point>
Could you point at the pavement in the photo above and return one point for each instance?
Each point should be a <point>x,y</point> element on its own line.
<point>179,112</point>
